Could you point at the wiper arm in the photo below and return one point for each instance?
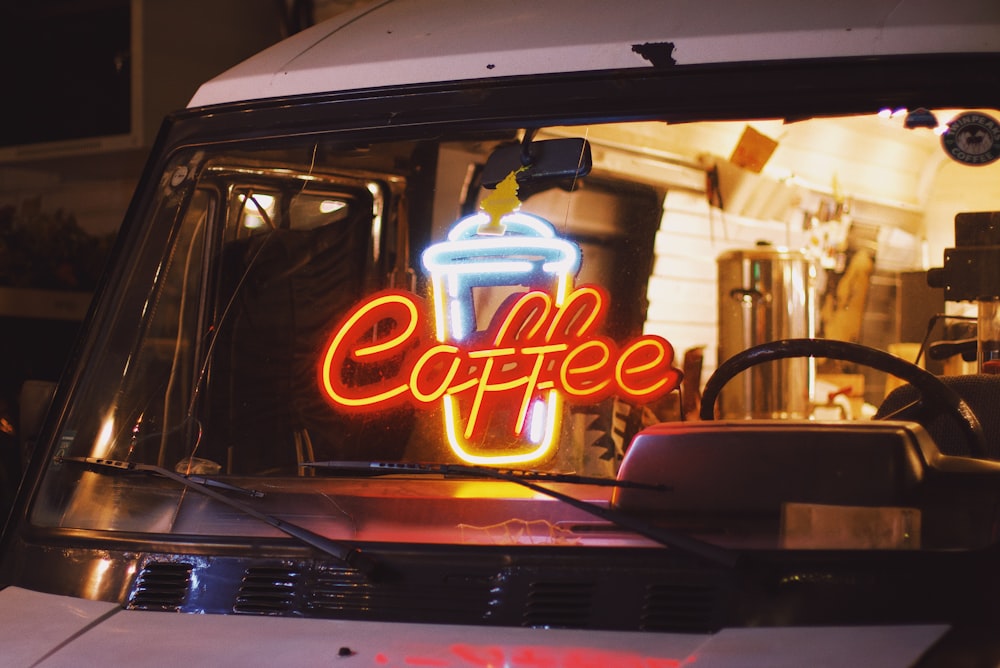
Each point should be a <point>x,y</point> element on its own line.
<point>391,468</point>
<point>349,555</point>
<point>665,537</point>
<point>186,480</point>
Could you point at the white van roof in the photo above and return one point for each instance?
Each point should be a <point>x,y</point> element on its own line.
<point>391,42</point>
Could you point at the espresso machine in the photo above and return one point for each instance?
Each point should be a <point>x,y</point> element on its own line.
<point>971,273</point>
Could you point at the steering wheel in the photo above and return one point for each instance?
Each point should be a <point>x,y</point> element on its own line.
<point>930,387</point>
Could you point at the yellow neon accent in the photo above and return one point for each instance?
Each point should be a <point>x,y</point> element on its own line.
<point>521,303</point>
<point>360,403</point>
<point>472,382</point>
<point>525,322</point>
<point>491,352</point>
<point>500,202</point>
<point>461,449</point>
<point>532,381</point>
<point>339,339</point>
<point>478,400</point>
<point>565,372</point>
<point>547,348</point>
<point>389,344</point>
<point>563,287</point>
<point>620,372</point>
<point>449,376</point>
<point>579,293</point>
<point>485,386</point>
<point>660,354</point>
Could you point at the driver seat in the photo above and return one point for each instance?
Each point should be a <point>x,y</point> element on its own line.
<point>980,391</point>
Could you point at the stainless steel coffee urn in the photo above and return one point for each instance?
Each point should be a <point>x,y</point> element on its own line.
<point>766,294</point>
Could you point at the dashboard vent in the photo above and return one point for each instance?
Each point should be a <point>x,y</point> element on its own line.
<point>267,591</point>
<point>448,599</point>
<point>161,586</point>
<point>559,604</point>
<point>680,607</point>
<point>341,592</point>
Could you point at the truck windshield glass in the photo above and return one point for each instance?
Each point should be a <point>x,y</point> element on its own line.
<point>314,299</point>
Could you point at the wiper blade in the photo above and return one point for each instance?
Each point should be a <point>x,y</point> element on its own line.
<point>159,470</point>
<point>391,468</point>
<point>665,537</point>
<point>347,554</point>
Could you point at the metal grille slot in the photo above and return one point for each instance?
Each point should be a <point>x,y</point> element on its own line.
<point>267,591</point>
<point>448,599</point>
<point>341,591</point>
<point>559,604</point>
<point>679,607</point>
<point>161,586</point>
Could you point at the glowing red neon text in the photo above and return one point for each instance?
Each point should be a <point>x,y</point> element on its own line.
<point>531,346</point>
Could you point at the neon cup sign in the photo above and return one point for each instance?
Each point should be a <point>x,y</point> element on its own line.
<point>502,385</point>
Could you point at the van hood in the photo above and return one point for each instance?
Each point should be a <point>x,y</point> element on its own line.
<point>45,630</point>
<point>393,42</point>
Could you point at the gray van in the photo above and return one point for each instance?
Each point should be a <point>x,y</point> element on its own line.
<point>551,333</point>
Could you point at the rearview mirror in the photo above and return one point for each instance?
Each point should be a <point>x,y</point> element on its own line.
<point>548,160</point>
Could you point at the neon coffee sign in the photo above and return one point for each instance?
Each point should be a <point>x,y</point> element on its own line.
<point>542,346</point>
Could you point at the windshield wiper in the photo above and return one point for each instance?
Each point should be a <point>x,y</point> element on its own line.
<point>665,537</point>
<point>390,468</point>
<point>159,470</point>
<point>347,554</point>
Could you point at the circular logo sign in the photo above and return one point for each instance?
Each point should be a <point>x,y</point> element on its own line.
<point>972,139</point>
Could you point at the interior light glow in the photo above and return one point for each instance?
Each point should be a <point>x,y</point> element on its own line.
<point>377,204</point>
<point>102,444</point>
<point>258,201</point>
<point>331,206</point>
<point>889,113</point>
<point>255,207</point>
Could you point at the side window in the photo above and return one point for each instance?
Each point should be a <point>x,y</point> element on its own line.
<point>144,370</point>
<point>163,430</point>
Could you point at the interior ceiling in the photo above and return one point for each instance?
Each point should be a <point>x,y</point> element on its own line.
<point>866,157</point>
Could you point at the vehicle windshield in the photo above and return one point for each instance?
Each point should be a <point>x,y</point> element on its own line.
<point>297,304</point>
